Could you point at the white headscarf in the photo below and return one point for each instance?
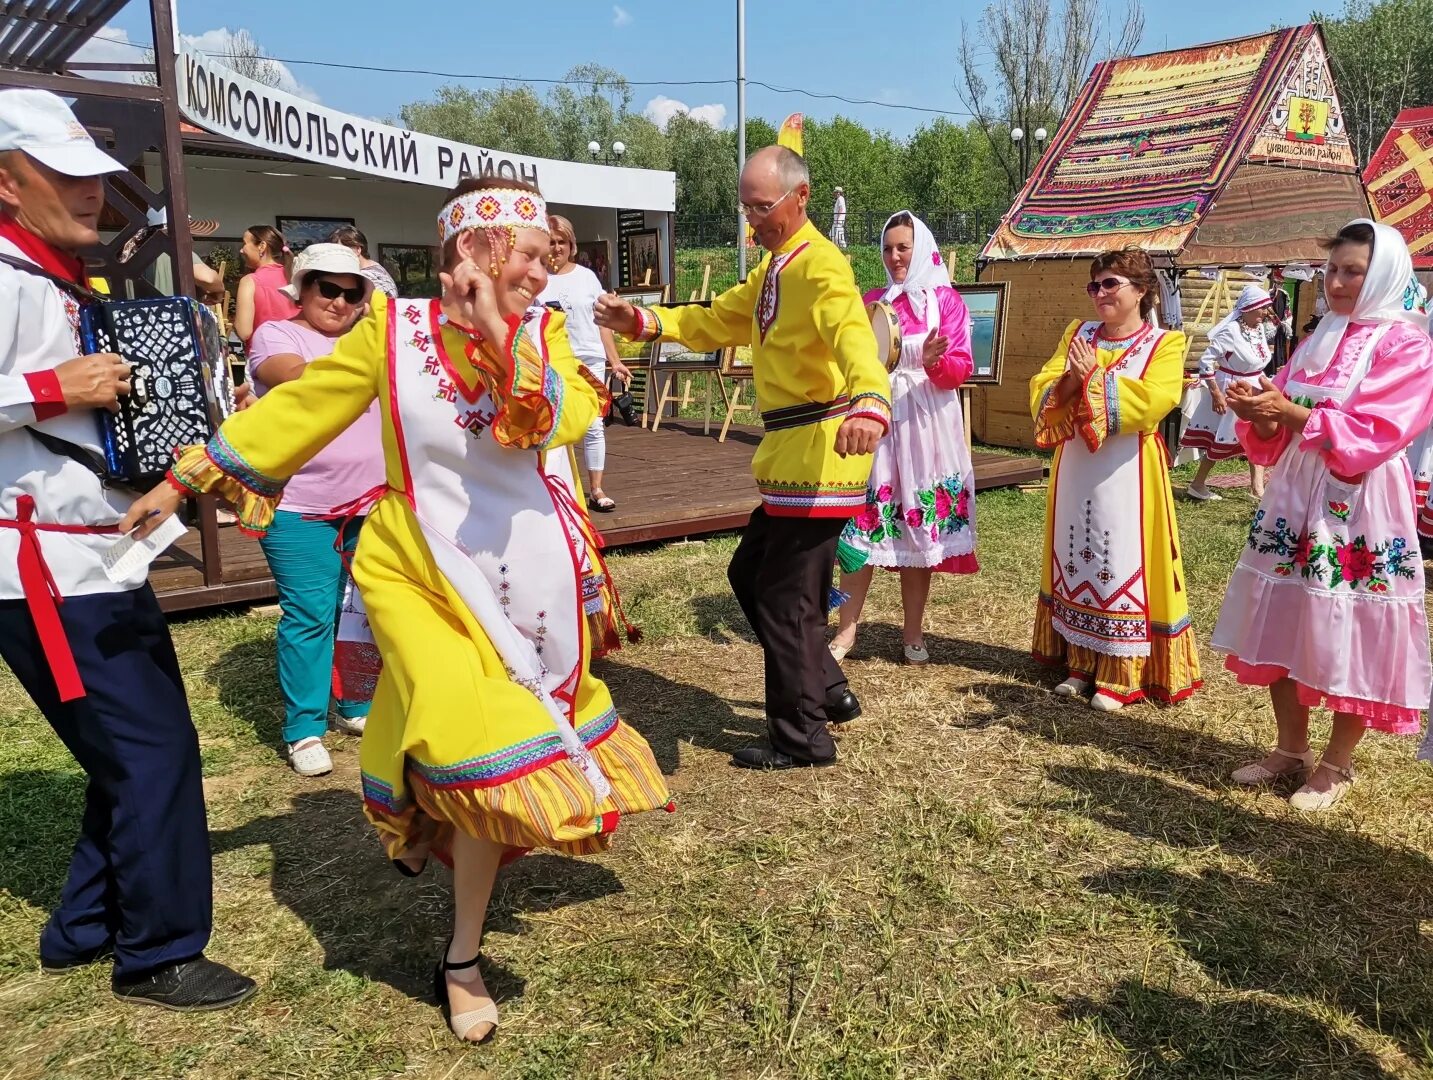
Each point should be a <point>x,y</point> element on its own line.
<point>1225,334</point>
<point>926,272</point>
<point>1390,294</point>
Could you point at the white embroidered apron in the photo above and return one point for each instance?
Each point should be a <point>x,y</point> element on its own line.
<point>502,524</point>
<point>1098,592</point>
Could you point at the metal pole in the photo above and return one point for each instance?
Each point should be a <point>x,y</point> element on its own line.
<point>740,131</point>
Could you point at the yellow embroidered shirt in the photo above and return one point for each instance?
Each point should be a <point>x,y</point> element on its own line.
<point>814,364</point>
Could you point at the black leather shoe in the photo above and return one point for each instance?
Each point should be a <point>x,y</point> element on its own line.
<point>842,708</point>
<point>763,757</point>
<point>61,967</point>
<point>193,986</point>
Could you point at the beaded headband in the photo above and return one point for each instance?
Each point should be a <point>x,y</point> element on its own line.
<point>492,208</point>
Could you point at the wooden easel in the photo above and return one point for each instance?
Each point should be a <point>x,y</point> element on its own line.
<point>1215,305</point>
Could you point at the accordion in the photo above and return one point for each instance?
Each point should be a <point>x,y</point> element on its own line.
<point>180,385</point>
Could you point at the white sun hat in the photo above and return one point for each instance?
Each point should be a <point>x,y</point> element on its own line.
<point>42,125</point>
<point>325,259</point>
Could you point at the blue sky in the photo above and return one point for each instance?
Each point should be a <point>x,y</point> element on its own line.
<point>831,46</point>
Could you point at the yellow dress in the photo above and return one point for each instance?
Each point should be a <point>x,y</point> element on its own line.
<point>1112,604</point>
<point>452,740</point>
<point>813,364</point>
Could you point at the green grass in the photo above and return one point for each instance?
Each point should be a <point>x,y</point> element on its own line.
<point>993,884</point>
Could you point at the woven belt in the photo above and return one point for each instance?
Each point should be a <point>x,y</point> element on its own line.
<point>808,412</point>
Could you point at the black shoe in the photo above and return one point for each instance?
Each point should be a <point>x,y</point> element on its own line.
<point>62,967</point>
<point>762,757</point>
<point>842,708</point>
<point>193,986</point>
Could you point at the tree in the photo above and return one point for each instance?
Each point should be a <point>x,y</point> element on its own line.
<point>1040,59</point>
<point>509,118</point>
<point>242,54</point>
<point>951,167</point>
<point>587,107</point>
<point>867,164</point>
<point>1378,50</point>
<point>704,160</point>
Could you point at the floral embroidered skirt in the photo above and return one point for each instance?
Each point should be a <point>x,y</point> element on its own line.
<point>920,500</point>
<point>1329,593</point>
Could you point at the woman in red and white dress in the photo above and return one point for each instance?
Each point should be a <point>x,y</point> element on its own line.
<point>1238,352</point>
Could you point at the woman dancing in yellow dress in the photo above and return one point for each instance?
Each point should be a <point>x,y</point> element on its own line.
<point>481,576</point>
<point>1113,609</point>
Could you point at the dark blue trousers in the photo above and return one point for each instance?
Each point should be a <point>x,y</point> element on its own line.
<point>140,879</point>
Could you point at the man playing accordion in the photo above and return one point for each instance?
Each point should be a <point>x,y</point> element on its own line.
<point>94,654</point>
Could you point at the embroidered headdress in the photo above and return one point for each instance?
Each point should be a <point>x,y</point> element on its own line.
<point>500,213</point>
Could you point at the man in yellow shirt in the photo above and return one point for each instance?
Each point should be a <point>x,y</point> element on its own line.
<point>825,400</point>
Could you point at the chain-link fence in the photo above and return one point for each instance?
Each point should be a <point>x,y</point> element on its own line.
<point>706,245</point>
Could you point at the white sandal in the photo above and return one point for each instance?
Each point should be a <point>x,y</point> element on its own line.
<point>839,651</point>
<point>308,757</point>
<point>1256,774</point>
<point>1307,799</point>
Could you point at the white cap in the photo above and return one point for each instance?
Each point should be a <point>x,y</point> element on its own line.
<point>324,259</point>
<point>42,125</point>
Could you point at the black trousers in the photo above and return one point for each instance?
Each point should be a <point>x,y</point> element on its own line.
<point>140,879</point>
<point>782,574</point>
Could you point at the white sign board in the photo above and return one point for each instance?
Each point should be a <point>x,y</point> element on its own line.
<point>218,99</point>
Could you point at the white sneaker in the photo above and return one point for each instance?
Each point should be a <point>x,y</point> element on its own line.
<point>309,757</point>
<point>349,725</point>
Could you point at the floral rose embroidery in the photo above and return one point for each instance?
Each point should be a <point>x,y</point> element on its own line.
<point>868,519</point>
<point>943,503</point>
<point>1339,510</point>
<point>883,494</point>
<point>1355,561</point>
<point>914,516</point>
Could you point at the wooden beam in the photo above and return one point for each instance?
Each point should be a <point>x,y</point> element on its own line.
<point>70,86</point>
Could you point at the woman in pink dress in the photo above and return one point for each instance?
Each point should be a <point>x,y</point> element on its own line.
<point>1326,604</point>
<point>920,503</point>
<point>260,297</point>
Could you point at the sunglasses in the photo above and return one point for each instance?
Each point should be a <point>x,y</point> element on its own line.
<point>1104,285</point>
<point>332,290</point>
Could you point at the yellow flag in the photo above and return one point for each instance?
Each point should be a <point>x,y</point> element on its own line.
<point>790,134</point>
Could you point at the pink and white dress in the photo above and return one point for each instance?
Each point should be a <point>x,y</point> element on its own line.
<point>920,501</point>
<point>1329,589</point>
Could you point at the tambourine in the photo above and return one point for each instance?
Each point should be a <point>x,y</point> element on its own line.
<point>887,329</point>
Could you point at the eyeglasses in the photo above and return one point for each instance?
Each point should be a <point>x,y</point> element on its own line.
<point>762,209</point>
<point>332,290</point>
<point>1109,284</point>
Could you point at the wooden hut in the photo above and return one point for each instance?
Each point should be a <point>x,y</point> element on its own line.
<point>1212,159</point>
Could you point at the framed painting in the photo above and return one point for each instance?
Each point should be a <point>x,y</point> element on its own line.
<point>674,355</point>
<point>300,232</point>
<point>736,363</point>
<point>413,266</point>
<point>643,256</point>
<point>986,303</point>
<point>596,255</point>
<point>643,352</point>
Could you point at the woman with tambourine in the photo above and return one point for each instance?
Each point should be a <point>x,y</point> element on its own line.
<point>919,516</point>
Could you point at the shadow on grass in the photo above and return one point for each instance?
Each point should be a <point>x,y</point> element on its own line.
<point>669,713</point>
<point>40,811</point>
<point>246,680</point>
<point>1333,917</point>
<point>329,870</point>
<point>720,612</point>
<point>885,641</point>
<point>1139,733</point>
<point>1167,1034</point>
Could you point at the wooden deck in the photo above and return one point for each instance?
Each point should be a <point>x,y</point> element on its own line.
<point>669,484</point>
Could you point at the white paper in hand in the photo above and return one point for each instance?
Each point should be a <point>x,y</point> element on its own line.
<point>129,555</point>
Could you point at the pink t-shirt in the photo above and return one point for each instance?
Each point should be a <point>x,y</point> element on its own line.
<point>351,465</point>
<point>269,303</point>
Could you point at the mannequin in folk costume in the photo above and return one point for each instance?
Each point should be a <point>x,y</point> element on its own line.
<point>1326,604</point>
<point>484,587</point>
<point>1113,608</point>
<point>920,500</point>
<point>1238,352</point>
